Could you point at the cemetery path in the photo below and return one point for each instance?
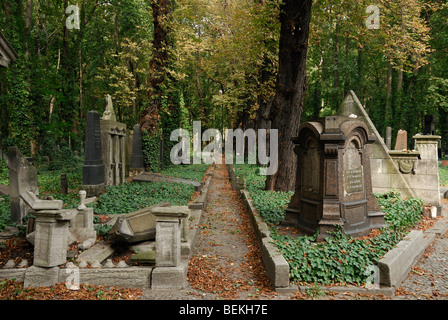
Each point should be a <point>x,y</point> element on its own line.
<point>226,261</point>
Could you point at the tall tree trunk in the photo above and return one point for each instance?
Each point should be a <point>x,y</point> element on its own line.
<point>389,115</point>
<point>347,83</point>
<point>161,11</point>
<point>360,78</point>
<point>336,66</point>
<point>287,104</point>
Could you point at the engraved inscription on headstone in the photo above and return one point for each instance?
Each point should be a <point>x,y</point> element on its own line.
<point>353,180</point>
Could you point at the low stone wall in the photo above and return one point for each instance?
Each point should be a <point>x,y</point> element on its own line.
<point>277,268</point>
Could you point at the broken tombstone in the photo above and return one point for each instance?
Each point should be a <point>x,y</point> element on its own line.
<point>136,226</point>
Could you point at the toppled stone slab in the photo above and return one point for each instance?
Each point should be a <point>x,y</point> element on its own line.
<point>136,226</point>
<point>97,253</point>
<point>37,204</point>
<point>8,232</point>
<point>146,257</point>
<point>151,177</point>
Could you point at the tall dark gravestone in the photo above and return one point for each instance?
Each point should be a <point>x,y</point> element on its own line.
<point>137,152</point>
<point>430,124</point>
<point>333,179</point>
<point>93,169</point>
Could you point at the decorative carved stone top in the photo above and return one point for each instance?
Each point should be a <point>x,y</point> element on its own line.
<point>109,113</point>
<point>333,179</point>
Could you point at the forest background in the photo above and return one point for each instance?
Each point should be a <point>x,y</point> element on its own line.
<point>168,63</point>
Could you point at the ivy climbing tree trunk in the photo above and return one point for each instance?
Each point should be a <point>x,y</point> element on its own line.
<point>287,104</point>
<point>161,12</point>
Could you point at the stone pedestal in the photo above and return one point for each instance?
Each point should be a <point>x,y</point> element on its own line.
<point>333,179</point>
<point>51,238</point>
<point>168,234</point>
<point>427,184</point>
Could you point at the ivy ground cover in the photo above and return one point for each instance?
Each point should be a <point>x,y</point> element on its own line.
<point>340,258</point>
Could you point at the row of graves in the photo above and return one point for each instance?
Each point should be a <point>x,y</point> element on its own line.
<point>342,161</point>
<point>160,234</point>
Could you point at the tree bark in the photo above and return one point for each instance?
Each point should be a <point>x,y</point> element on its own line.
<point>287,104</point>
<point>158,64</point>
<point>389,91</point>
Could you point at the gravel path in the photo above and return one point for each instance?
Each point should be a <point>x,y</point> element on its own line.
<point>226,262</point>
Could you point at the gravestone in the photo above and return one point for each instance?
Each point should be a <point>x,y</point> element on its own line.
<point>388,138</point>
<point>402,140</point>
<point>430,124</point>
<point>22,178</point>
<point>64,183</point>
<point>137,152</point>
<point>333,179</point>
<point>113,137</point>
<point>93,170</point>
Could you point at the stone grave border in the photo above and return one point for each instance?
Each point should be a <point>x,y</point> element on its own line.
<point>393,267</point>
<point>142,277</point>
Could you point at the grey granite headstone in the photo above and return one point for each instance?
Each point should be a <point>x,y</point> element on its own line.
<point>137,153</point>
<point>22,178</point>
<point>93,169</point>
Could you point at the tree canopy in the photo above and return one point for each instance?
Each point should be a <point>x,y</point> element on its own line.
<point>167,63</point>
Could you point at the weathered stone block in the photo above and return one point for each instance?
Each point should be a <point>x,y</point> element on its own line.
<point>164,278</point>
<point>396,263</point>
<point>51,237</point>
<point>41,277</point>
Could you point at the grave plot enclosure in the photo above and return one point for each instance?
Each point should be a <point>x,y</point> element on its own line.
<point>333,182</point>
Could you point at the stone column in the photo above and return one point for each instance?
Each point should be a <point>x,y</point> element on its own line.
<point>169,234</point>
<point>426,184</point>
<point>51,239</point>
